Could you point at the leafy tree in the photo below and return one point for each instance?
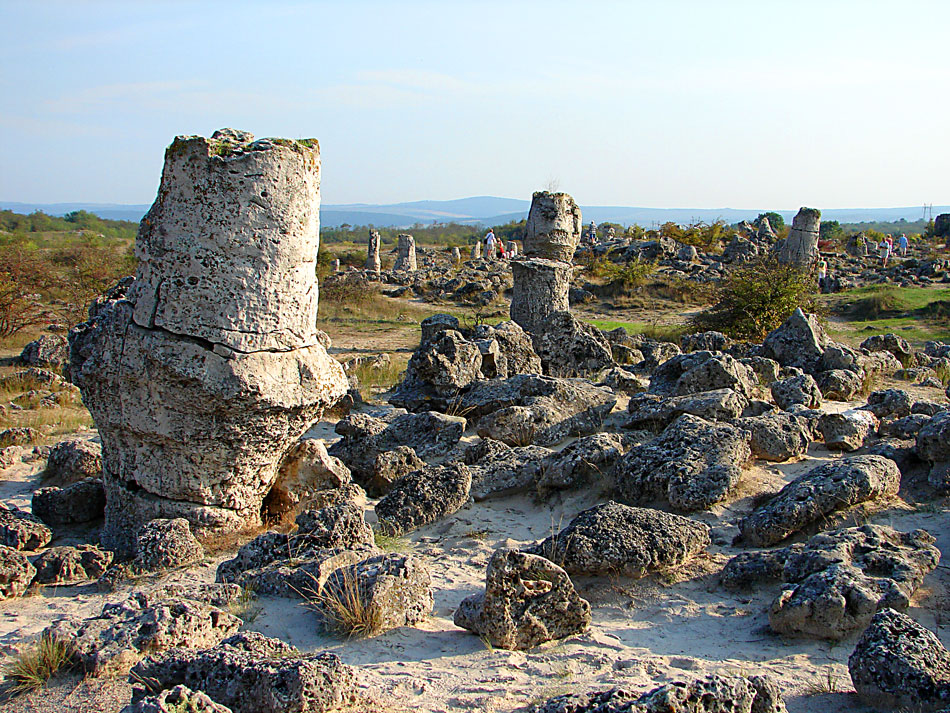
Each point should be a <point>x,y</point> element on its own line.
<point>775,220</point>
<point>831,230</point>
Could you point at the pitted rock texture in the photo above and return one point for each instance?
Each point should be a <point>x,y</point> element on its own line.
<point>933,439</point>
<point>898,346</point>
<point>692,465</point>
<point>819,492</point>
<point>48,350</point>
<point>553,229</point>
<point>372,252</point>
<point>836,581</point>
<point>424,496</point>
<point>900,665</point>
<point>306,469</point>
<point>251,673</point>
<point>569,347</point>
<point>80,502</point>
<point>129,630</point>
<point>395,587</point>
<point>165,544</point>
<point>16,573</point>
<point>527,600</point>
<point>540,288</point>
<point>653,412</point>
<point>71,565</point>
<point>715,693</point>
<point>587,460</point>
<point>498,470</point>
<point>405,254</point>
<point>429,434</point>
<point>848,430</point>
<point>22,530</point>
<point>839,384</point>
<point>390,466</point>
<point>617,539</point>
<point>72,460</point>
<point>800,342</point>
<point>801,389</point>
<point>800,248</point>
<point>777,436</point>
<point>176,700</point>
<point>208,367</point>
<point>889,403</point>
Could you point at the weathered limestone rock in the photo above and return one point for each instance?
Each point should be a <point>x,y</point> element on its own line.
<point>16,573</point>
<point>127,631</point>
<point>848,430</point>
<point>857,246</point>
<point>396,588</point>
<point>655,413</point>
<point>570,348</point>
<point>801,389</point>
<point>692,465</point>
<point>405,254</point>
<point>933,439</point>
<point>498,470</point>
<point>176,700</point>
<point>527,600</point>
<point>72,460</point>
<point>211,367</point>
<point>512,249</point>
<point>800,342</point>
<point>22,530</point>
<point>390,466</point>
<point>250,673</point>
<point>553,229</point>
<point>307,468</point>
<point>836,581</point>
<point>900,665</point>
<point>80,502</point>
<point>456,256</point>
<point>590,459</point>
<point>424,496</point>
<point>715,693</point>
<point>777,436</point>
<point>889,403</point>
<point>839,384</point>
<point>71,565</point>
<point>819,492</point>
<point>48,350</point>
<point>896,345</point>
<point>541,288</point>
<point>164,544</point>
<point>617,539</point>
<point>800,248</point>
<point>476,253</point>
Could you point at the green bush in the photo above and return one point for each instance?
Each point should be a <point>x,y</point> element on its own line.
<point>757,298</point>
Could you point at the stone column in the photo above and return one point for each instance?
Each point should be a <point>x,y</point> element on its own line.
<point>456,256</point>
<point>335,265</point>
<point>512,249</point>
<point>209,368</point>
<point>405,253</point>
<point>476,251</point>
<point>800,248</point>
<point>542,279</point>
<point>372,252</point>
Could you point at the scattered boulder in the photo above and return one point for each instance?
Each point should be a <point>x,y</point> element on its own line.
<point>653,412</point>
<point>617,539</point>
<point>718,372</point>
<point>73,460</point>
<point>165,544</point>
<point>18,436</point>
<point>889,403</point>
<point>48,350</point>
<point>16,573</point>
<point>527,600</point>
<point>836,581</point>
<point>80,502</point>
<point>905,428</point>
<point>777,436</point>
<point>424,496</point>
<point>801,389</point>
<point>586,460</point>
<point>10,456</point>
<point>847,430</point>
<point>839,384</point>
<point>176,700</point>
<point>933,439</point>
<point>21,530</point>
<point>392,465</point>
<point>250,673</point>
<point>898,346</point>
<point>799,341</point>
<point>71,565</point>
<point>142,624</point>
<point>395,589</point>
<point>704,341</point>
<point>499,470</point>
<point>819,492</point>
<point>571,348</point>
<point>692,465</point>
<point>897,664</point>
<point>306,469</point>
<point>715,693</point>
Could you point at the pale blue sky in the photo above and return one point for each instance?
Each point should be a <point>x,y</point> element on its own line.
<point>663,104</point>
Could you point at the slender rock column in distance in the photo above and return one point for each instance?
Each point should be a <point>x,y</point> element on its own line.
<point>208,368</point>
<point>542,278</point>
<point>476,251</point>
<point>372,252</point>
<point>456,255</point>
<point>800,248</point>
<point>405,254</point>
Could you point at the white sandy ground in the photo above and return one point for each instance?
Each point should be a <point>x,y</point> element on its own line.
<point>673,626</point>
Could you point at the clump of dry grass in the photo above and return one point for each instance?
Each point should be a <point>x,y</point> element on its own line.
<point>32,668</point>
<point>344,607</point>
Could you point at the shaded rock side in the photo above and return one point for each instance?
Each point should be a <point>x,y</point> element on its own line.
<point>527,600</point>
<point>424,496</point>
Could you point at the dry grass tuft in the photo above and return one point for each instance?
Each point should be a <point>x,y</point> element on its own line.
<point>344,607</point>
<point>37,664</point>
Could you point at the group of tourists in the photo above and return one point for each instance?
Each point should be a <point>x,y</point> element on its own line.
<point>494,247</point>
<point>886,247</point>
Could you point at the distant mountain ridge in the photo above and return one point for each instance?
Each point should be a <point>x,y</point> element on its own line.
<point>490,210</point>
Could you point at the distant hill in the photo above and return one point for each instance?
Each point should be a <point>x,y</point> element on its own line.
<point>489,210</point>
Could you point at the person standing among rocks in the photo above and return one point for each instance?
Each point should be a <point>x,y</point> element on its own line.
<point>884,251</point>
<point>903,245</point>
<point>490,244</point>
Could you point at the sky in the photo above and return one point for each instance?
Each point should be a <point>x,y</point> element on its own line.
<point>677,103</point>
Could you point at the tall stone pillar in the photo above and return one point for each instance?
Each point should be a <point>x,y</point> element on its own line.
<point>800,248</point>
<point>405,253</point>
<point>372,252</point>
<point>456,255</point>
<point>209,369</point>
<point>542,278</point>
<point>476,251</point>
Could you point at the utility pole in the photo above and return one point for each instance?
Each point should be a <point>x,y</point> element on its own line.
<point>928,212</point>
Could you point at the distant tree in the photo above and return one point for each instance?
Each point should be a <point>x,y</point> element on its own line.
<point>775,220</point>
<point>831,230</point>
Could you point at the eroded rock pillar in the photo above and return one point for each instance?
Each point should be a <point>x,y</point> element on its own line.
<point>208,369</point>
<point>800,248</point>
<point>405,253</point>
<point>372,252</point>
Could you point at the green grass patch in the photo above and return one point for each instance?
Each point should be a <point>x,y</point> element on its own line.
<point>910,328</point>
<point>660,332</point>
